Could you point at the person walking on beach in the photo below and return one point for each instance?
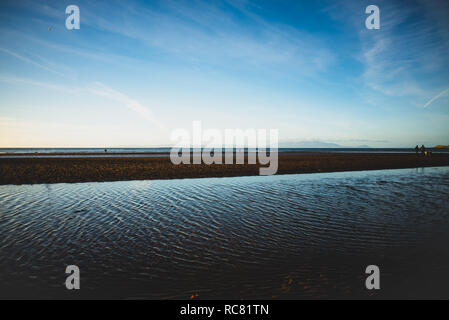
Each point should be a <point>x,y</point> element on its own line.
<point>423,149</point>
<point>416,149</point>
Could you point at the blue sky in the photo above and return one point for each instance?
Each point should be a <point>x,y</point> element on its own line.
<point>137,70</point>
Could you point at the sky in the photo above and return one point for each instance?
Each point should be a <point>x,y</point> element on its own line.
<point>137,70</point>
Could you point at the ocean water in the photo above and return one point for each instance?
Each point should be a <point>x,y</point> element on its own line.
<point>43,151</point>
<point>282,237</point>
<point>83,150</point>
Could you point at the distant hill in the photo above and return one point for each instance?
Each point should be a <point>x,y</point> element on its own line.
<point>441,147</point>
<point>309,144</point>
<point>314,144</point>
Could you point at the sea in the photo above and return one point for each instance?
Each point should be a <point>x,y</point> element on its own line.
<point>161,151</point>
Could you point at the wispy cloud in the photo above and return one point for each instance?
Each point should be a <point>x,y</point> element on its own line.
<point>408,49</point>
<point>442,93</point>
<point>16,80</point>
<point>203,32</point>
<point>206,32</point>
<point>96,88</point>
<point>102,90</point>
<point>30,61</point>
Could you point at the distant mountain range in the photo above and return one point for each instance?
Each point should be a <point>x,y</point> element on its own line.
<point>315,144</point>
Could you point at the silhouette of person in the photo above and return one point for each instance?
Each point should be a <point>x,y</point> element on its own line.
<point>423,149</point>
<point>416,149</point>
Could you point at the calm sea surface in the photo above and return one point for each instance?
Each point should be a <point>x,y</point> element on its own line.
<point>46,152</point>
<point>288,236</point>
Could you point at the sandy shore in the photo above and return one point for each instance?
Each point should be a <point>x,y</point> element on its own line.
<point>56,170</point>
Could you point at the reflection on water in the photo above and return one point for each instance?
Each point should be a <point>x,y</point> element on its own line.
<point>290,236</point>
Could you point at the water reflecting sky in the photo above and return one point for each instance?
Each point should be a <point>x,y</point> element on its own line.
<point>287,236</point>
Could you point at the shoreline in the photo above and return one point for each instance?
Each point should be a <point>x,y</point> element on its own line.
<point>28,170</point>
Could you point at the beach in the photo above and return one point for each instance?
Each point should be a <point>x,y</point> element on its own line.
<point>61,169</point>
<point>232,152</point>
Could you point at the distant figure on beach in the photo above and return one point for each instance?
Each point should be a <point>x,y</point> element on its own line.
<point>423,149</point>
<point>416,149</point>
<point>105,150</point>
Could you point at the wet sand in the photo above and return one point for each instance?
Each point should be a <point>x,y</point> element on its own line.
<point>58,170</point>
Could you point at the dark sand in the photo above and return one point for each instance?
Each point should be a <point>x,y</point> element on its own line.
<point>56,170</point>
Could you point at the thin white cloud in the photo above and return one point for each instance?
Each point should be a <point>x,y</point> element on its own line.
<point>400,56</point>
<point>190,31</point>
<point>442,93</point>
<point>96,88</point>
<point>28,60</point>
<point>102,90</point>
<point>15,80</point>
